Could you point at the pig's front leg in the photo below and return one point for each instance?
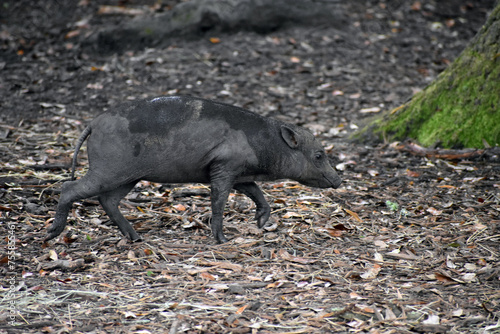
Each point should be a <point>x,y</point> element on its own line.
<point>252,190</point>
<point>221,185</point>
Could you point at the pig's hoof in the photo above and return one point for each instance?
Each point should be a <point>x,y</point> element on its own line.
<point>132,235</point>
<point>262,216</point>
<point>221,239</point>
<point>52,232</point>
<point>138,239</point>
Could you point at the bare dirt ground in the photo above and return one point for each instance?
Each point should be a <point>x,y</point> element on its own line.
<point>408,244</point>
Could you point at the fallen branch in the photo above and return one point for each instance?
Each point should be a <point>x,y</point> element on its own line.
<point>491,153</point>
<point>64,264</point>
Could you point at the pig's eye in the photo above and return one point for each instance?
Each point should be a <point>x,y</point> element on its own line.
<point>318,156</point>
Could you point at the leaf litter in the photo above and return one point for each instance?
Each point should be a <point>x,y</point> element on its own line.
<point>409,243</point>
<point>337,260</point>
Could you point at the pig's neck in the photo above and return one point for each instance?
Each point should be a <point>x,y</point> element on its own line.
<point>286,166</point>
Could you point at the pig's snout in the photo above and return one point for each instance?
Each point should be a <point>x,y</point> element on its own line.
<point>336,181</point>
<point>332,180</point>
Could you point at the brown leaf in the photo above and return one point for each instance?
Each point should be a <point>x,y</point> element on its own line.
<point>446,186</point>
<point>412,173</point>
<point>207,276</point>
<point>416,6</point>
<point>173,306</point>
<point>72,33</point>
<point>224,265</point>
<point>291,214</point>
<point>286,256</point>
<point>5,208</point>
<point>434,212</point>
<point>69,239</point>
<point>340,227</point>
<point>241,309</point>
<point>372,272</point>
<point>276,284</point>
<point>334,232</point>
<point>180,207</point>
<point>443,278</point>
<point>353,214</point>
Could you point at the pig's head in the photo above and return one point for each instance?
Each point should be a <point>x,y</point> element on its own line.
<point>308,162</point>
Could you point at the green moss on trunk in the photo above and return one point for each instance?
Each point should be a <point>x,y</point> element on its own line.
<point>461,108</point>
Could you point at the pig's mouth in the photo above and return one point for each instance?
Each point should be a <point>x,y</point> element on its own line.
<point>324,182</point>
<point>335,183</point>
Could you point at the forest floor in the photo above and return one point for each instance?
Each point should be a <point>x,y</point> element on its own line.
<point>407,244</point>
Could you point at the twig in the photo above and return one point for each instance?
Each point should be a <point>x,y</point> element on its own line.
<point>175,324</point>
<point>64,264</point>
<point>440,154</point>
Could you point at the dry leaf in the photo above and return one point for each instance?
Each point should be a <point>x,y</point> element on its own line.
<point>286,256</point>
<point>69,239</point>
<point>334,232</point>
<point>416,6</point>
<point>207,276</point>
<point>341,227</point>
<point>354,295</point>
<point>119,10</point>
<point>433,319</point>
<point>180,207</point>
<point>449,263</point>
<point>389,314</point>
<point>173,306</point>
<point>372,272</point>
<point>434,212</point>
<point>446,186</point>
<point>353,214</point>
<point>241,309</point>
<point>129,315</point>
<point>443,278</point>
<point>412,173</point>
<point>214,40</point>
<point>291,214</point>
<point>131,256</point>
<point>224,265</point>
<point>380,243</point>
<point>276,284</point>
<point>53,255</point>
<point>469,277</point>
<point>72,33</point>
<point>370,110</point>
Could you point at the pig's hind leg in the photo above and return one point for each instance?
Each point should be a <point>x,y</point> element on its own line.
<point>252,190</point>
<point>110,201</point>
<point>73,191</point>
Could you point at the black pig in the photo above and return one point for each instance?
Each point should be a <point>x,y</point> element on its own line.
<point>184,139</point>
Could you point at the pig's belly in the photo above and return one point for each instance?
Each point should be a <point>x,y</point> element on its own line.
<point>175,173</point>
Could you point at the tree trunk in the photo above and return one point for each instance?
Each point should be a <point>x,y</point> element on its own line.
<point>461,108</point>
<point>199,17</point>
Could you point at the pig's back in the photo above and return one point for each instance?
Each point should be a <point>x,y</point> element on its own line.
<point>163,113</point>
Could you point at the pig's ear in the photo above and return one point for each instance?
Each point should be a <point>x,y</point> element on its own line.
<point>290,136</point>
